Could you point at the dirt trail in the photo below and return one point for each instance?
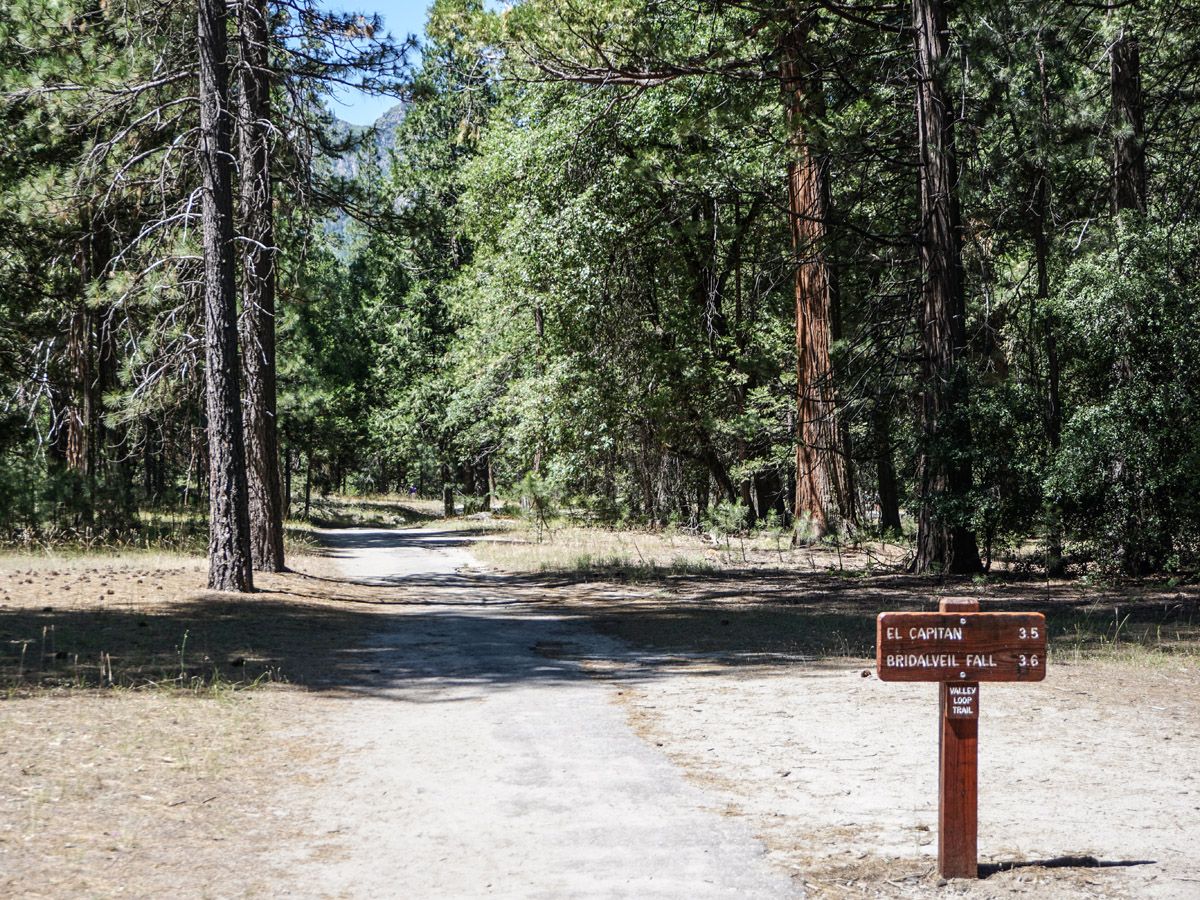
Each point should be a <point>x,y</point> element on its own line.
<point>489,741</point>
<point>478,758</point>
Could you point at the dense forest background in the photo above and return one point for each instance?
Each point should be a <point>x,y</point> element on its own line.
<point>924,268</point>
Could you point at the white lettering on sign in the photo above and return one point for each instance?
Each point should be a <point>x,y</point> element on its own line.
<point>918,633</point>
<point>981,660</point>
<point>935,633</point>
<point>922,660</point>
<point>964,699</point>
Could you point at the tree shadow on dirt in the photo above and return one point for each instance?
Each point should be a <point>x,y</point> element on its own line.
<point>428,636</point>
<point>987,870</point>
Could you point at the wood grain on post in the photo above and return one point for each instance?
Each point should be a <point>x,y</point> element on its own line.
<point>958,785</point>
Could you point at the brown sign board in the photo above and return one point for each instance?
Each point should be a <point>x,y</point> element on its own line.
<point>960,647</point>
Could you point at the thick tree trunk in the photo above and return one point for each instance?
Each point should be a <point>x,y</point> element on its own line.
<point>1129,153</point>
<point>823,500</point>
<point>229,521</point>
<point>258,289</point>
<point>944,542</point>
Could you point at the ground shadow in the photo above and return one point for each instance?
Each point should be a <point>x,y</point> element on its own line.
<point>468,628</point>
<point>987,870</point>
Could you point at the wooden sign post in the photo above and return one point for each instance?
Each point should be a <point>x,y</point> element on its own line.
<point>960,647</point>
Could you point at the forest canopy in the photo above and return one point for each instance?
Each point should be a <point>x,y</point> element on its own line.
<point>915,269</point>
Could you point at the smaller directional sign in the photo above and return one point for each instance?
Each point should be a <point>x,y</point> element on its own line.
<point>961,701</point>
<point>960,647</point>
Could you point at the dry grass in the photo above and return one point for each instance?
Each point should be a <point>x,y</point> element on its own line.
<point>170,778</point>
<point>377,511</point>
<point>140,794</point>
<point>569,548</point>
<point>133,759</point>
<point>771,601</point>
<point>145,621</point>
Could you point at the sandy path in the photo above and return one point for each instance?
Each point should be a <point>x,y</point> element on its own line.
<point>477,758</point>
<point>838,774</point>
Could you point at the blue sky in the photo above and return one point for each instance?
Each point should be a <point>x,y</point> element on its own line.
<point>401,18</point>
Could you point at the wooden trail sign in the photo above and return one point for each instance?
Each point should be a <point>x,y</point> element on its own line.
<point>959,647</point>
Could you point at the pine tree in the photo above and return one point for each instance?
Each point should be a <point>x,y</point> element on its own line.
<point>229,559</point>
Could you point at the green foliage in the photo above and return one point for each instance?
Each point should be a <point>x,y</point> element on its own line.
<point>574,258</point>
<point>1128,475</point>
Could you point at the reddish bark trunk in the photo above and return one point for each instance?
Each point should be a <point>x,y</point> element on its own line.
<point>823,501</point>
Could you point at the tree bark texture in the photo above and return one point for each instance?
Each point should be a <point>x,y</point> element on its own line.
<point>81,412</point>
<point>1130,195</point>
<point>94,449</point>
<point>1129,125</point>
<point>1040,220</point>
<point>258,289</point>
<point>944,543</point>
<point>889,493</point>
<point>229,566</point>
<point>447,493</point>
<point>823,501</point>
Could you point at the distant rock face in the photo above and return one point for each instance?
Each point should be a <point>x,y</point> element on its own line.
<point>386,127</point>
<point>377,147</point>
<point>380,144</point>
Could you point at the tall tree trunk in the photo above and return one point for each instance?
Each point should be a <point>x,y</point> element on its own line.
<point>823,501</point>
<point>307,483</point>
<point>1053,416</point>
<point>885,468</point>
<point>112,445</point>
<point>944,542</point>
<point>258,289</point>
<point>491,486</point>
<point>1141,551</point>
<point>447,493</point>
<point>1129,152</point>
<point>1055,566</point>
<point>80,411</point>
<point>287,482</point>
<point>229,519</point>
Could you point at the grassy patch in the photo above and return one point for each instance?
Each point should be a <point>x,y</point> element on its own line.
<point>139,621</point>
<point>178,532</point>
<point>645,555</point>
<point>381,511</point>
<point>775,602</point>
